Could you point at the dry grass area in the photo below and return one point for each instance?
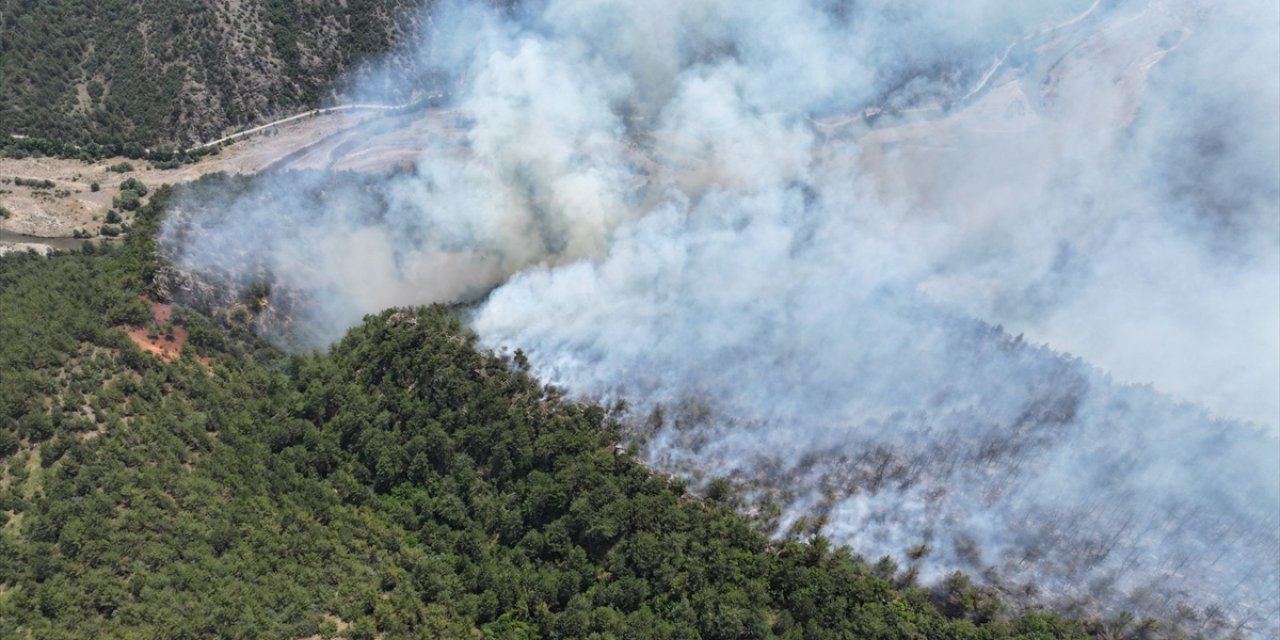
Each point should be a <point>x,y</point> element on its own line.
<point>57,211</point>
<point>355,141</point>
<point>72,205</point>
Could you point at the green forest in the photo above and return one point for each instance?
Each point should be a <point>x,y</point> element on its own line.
<point>133,74</point>
<point>405,484</point>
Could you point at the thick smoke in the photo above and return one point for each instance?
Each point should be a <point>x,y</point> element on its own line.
<point>800,237</point>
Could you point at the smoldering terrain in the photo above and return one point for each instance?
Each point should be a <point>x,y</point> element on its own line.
<point>981,287</point>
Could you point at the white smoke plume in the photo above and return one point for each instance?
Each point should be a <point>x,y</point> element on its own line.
<point>800,238</point>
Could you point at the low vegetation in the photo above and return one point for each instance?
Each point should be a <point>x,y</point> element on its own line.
<point>33,183</point>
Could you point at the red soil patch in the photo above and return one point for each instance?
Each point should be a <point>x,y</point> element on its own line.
<point>164,347</point>
<point>161,312</point>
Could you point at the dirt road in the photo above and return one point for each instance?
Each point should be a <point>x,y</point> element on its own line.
<point>32,211</point>
<point>345,108</point>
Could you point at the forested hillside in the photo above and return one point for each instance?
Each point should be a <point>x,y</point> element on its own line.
<point>175,71</point>
<point>404,485</point>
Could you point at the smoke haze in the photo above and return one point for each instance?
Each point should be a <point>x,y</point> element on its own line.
<point>1000,280</point>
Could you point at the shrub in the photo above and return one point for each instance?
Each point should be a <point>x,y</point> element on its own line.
<point>34,184</point>
<point>135,185</point>
<point>127,200</point>
<point>8,443</point>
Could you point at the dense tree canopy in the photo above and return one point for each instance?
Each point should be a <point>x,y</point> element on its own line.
<point>405,485</point>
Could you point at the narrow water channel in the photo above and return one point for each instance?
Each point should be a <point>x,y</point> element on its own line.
<point>64,244</point>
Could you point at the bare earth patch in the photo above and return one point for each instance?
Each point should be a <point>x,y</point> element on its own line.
<point>161,338</point>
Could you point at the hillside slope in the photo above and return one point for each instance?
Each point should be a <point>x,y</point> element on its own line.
<point>149,72</point>
<point>405,485</point>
